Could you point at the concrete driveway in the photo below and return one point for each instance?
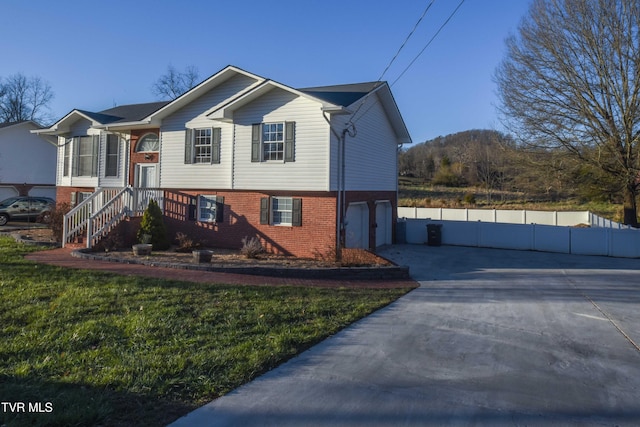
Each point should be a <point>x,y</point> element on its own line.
<point>491,338</point>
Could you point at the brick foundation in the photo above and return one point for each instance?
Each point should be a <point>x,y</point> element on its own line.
<point>242,218</point>
<point>316,236</point>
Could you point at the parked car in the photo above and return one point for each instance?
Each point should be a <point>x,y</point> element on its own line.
<point>26,208</point>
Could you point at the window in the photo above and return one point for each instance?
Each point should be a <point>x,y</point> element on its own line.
<point>111,161</point>
<point>273,142</point>
<point>79,197</point>
<point>148,143</point>
<point>210,208</point>
<point>85,156</point>
<point>202,146</point>
<point>281,211</point>
<point>67,156</point>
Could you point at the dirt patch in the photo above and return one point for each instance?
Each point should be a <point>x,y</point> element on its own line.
<point>35,234</point>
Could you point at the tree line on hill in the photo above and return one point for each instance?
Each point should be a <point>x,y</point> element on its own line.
<point>496,163</point>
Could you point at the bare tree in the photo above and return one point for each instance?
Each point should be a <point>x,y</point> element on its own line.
<point>174,83</point>
<point>25,98</point>
<point>571,80</point>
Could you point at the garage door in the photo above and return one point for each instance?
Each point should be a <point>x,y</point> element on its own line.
<point>357,226</point>
<point>383,223</point>
<point>6,192</point>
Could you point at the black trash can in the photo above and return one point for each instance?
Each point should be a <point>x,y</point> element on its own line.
<point>434,234</point>
<point>401,231</point>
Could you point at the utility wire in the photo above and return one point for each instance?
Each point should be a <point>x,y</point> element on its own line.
<point>429,42</point>
<point>406,40</point>
<point>379,80</point>
<point>352,122</point>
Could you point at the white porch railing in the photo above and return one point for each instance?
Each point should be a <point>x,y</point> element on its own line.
<point>100,213</point>
<point>75,221</point>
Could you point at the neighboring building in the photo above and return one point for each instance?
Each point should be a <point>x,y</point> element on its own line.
<point>240,155</point>
<point>27,161</point>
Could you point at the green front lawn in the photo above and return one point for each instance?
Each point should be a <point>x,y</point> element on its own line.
<point>90,348</point>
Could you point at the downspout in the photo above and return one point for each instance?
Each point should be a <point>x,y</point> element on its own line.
<point>341,181</point>
<point>340,219</point>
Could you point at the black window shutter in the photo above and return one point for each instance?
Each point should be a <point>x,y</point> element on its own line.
<point>192,208</point>
<point>256,131</point>
<point>215,145</point>
<point>264,210</point>
<point>296,214</point>
<point>188,147</point>
<point>289,141</point>
<point>95,143</point>
<point>219,209</point>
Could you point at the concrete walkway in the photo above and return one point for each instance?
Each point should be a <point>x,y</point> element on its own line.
<point>491,338</point>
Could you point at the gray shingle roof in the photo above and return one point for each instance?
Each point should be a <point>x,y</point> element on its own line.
<point>7,124</point>
<point>133,112</point>
<point>343,95</point>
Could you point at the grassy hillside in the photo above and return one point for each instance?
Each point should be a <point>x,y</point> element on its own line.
<point>414,193</point>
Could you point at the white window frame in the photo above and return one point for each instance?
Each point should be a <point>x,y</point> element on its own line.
<point>139,148</point>
<point>282,211</point>
<point>273,135</point>
<point>212,207</point>
<point>84,160</point>
<point>112,157</point>
<point>66,162</point>
<point>202,145</point>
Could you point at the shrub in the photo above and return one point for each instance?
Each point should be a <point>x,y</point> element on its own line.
<point>57,219</point>
<point>251,247</point>
<point>185,243</point>
<point>470,199</point>
<point>152,224</point>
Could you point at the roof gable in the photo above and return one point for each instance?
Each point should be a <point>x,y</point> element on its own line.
<point>343,95</point>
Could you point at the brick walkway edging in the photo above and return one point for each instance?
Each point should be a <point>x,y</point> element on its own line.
<point>394,272</point>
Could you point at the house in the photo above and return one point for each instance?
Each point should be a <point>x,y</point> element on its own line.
<point>27,161</point>
<point>240,155</point>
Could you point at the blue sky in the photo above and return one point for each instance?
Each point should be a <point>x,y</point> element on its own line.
<point>99,54</point>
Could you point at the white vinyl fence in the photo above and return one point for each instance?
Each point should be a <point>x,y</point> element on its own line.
<point>546,238</point>
<point>509,216</point>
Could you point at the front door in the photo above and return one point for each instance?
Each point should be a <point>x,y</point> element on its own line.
<point>147,181</point>
<point>147,175</point>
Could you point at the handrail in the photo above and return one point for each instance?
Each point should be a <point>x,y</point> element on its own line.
<point>101,212</point>
<point>106,218</point>
<point>75,221</point>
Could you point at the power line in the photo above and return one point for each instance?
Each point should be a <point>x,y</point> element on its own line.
<point>406,40</point>
<point>352,122</point>
<point>396,54</point>
<point>429,42</point>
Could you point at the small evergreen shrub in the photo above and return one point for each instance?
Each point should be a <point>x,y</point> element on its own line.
<point>152,224</point>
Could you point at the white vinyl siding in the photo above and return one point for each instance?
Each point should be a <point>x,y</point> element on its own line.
<point>371,157</point>
<point>81,128</point>
<point>26,157</point>
<point>174,172</point>
<point>309,171</point>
